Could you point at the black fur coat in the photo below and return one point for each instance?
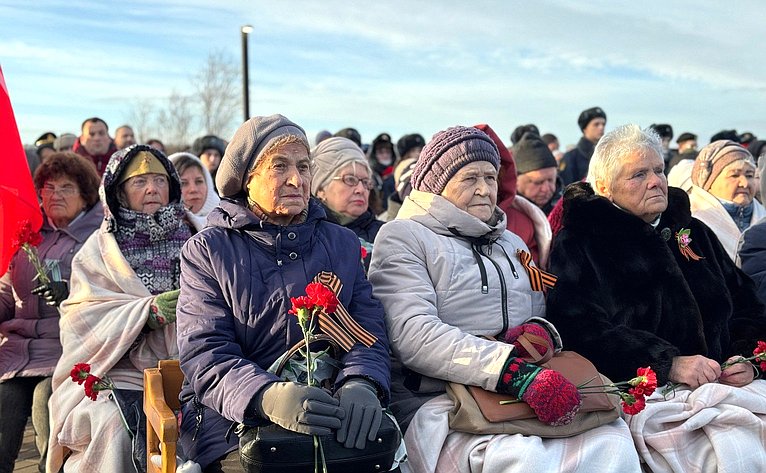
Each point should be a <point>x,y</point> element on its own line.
<point>626,297</point>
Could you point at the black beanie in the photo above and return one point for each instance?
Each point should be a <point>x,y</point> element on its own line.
<point>531,154</point>
<point>587,115</point>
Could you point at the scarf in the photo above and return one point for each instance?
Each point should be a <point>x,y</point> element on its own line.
<point>152,244</point>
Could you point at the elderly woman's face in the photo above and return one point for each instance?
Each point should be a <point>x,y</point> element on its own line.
<point>281,183</point>
<point>474,189</point>
<point>147,193</point>
<point>736,183</point>
<point>640,186</point>
<point>344,198</point>
<point>193,188</point>
<point>62,201</point>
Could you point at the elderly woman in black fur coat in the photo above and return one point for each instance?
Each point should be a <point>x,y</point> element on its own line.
<point>643,283</point>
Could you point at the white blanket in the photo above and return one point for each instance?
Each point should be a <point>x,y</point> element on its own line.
<point>715,428</point>
<point>432,447</point>
<point>100,322</point>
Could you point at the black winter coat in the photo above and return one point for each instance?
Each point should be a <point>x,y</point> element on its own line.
<point>574,164</point>
<point>626,297</point>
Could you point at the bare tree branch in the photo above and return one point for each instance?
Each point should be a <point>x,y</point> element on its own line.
<point>216,85</point>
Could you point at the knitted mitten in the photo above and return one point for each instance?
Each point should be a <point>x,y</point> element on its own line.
<point>513,333</point>
<point>554,399</point>
<point>162,310</point>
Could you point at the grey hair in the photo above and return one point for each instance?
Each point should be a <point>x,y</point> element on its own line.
<point>614,147</point>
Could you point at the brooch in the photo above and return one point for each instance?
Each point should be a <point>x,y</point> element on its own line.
<point>683,237</point>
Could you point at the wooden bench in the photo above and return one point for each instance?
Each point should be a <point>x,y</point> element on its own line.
<point>161,388</point>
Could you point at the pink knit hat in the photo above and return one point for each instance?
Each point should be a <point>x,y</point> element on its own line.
<point>713,158</point>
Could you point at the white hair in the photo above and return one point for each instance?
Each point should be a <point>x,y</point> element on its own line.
<point>614,147</point>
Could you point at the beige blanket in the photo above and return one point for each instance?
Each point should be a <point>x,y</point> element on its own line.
<point>715,428</point>
<point>432,447</point>
<point>101,321</point>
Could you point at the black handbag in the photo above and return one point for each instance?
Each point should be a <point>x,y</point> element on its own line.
<point>271,448</point>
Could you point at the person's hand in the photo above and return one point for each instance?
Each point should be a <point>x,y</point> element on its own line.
<point>300,408</point>
<point>554,399</point>
<point>512,334</point>
<point>163,309</point>
<point>359,400</point>
<point>54,292</point>
<point>737,374</point>
<point>694,370</point>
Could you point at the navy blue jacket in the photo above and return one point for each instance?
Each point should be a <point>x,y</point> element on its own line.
<point>237,277</point>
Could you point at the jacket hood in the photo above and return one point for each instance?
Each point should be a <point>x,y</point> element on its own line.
<point>443,218</point>
<point>586,212</point>
<point>109,188</point>
<point>506,189</point>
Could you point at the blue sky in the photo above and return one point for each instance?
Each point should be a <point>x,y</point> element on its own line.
<point>397,66</point>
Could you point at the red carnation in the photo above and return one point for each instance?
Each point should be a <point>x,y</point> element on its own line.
<point>91,386</point>
<point>634,406</point>
<point>321,296</point>
<point>80,372</point>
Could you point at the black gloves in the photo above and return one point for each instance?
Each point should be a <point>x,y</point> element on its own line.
<point>54,292</point>
<point>359,400</point>
<point>300,408</point>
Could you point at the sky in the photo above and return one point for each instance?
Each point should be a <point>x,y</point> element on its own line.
<point>397,66</point>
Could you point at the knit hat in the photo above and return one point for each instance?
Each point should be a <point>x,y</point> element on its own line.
<point>142,162</point>
<point>713,158</point>
<point>246,148</point>
<point>587,115</point>
<point>330,156</point>
<point>686,136</point>
<point>350,133</point>
<point>208,142</point>
<point>407,142</point>
<point>447,152</point>
<point>532,154</point>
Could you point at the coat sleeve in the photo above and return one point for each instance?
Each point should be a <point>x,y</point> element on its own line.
<point>211,358</point>
<point>752,254</point>
<point>6,297</point>
<point>584,308</point>
<point>419,338</point>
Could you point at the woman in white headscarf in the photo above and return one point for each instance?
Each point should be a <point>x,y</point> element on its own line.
<point>197,188</point>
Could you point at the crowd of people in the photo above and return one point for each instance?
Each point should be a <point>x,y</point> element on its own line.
<point>655,256</point>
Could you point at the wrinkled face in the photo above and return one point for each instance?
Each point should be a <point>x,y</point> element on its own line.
<point>281,183</point>
<point>537,186</point>
<point>594,130</point>
<point>193,189</point>
<point>211,158</point>
<point>124,137</point>
<point>62,201</point>
<point>346,199</point>
<point>736,183</point>
<point>640,186</point>
<point>95,138</point>
<point>474,189</point>
<point>147,193</point>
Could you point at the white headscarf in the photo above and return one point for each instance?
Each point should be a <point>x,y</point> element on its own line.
<point>212,199</point>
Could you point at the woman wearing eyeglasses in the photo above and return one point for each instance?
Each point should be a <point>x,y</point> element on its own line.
<point>342,180</point>
<point>29,321</point>
<point>120,315</point>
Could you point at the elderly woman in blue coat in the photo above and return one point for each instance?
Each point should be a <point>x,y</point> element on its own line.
<point>264,243</point>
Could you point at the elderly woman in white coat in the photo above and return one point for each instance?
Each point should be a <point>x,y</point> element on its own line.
<point>723,192</point>
<point>449,274</point>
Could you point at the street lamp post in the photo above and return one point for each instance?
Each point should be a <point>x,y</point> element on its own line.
<point>246,30</point>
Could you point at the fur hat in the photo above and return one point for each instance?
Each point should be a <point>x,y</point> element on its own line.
<point>521,130</point>
<point>208,142</point>
<point>532,154</point>
<point>587,115</point>
<point>730,135</point>
<point>686,136</point>
<point>407,142</point>
<point>746,138</point>
<point>330,156</point>
<point>246,148</point>
<point>713,158</point>
<point>350,133</point>
<point>662,129</point>
<point>447,152</point>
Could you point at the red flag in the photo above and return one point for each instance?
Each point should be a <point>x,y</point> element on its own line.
<point>18,199</point>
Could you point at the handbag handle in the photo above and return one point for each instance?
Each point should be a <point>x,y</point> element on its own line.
<point>526,340</point>
<point>320,337</point>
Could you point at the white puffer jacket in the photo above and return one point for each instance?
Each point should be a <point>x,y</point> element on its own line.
<point>430,284</point>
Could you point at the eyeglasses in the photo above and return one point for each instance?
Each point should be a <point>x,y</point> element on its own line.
<point>66,191</point>
<point>352,181</point>
<point>140,182</point>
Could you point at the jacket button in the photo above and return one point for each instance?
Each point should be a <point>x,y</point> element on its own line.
<point>291,235</point>
<point>293,255</point>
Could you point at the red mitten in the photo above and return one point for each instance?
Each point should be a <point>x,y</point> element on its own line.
<point>512,334</point>
<point>554,399</point>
